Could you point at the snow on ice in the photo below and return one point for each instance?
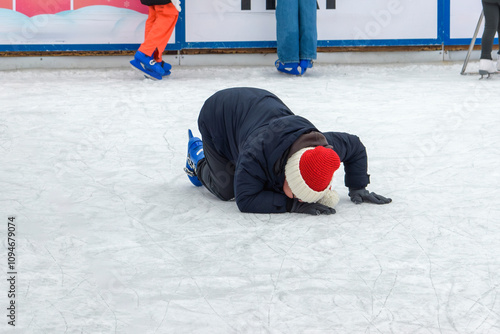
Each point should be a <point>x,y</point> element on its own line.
<point>113,238</point>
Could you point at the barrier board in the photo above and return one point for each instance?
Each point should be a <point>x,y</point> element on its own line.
<point>229,20</point>
<point>31,25</point>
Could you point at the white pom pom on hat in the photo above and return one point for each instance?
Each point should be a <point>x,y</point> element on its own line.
<point>309,172</point>
<point>330,198</point>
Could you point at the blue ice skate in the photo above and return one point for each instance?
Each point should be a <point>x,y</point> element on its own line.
<point>194,155</point>
<point>147,65</point>
<point>289,68</point>
<point>305,64</point>
<point>166,67</point>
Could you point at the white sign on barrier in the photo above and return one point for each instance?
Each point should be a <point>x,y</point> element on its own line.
<point>88,25</point>
<point>379,19</point>
<point>254,20</point>
<point>464,15</point>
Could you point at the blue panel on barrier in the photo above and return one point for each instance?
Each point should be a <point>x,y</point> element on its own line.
<point>443,21</point>
<point>344,43</point>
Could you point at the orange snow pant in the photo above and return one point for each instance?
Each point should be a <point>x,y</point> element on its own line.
<point>159,27</point>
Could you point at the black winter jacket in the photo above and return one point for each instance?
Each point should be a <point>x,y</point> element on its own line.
<point>254,129</point>
<point>155,2</point>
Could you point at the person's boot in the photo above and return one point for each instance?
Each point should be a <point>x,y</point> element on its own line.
<point>486,67</point>
<point>305,64</point>
<point>288,68</point>
<point>194,155</point>
<point>148,65</point>
<point>166,67</point>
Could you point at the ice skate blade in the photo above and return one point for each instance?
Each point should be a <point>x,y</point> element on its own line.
<point>148,74</point>
<point>481,73</point>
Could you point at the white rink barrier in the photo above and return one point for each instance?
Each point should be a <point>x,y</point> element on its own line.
<point>70,25</point>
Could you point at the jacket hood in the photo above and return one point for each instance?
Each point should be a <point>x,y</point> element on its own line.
<point>285,131</point>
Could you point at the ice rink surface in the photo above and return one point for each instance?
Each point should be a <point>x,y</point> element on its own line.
<point>111,237</point>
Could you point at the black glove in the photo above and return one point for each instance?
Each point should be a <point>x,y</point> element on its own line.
<point>359,196</point>
<point>311,208</point>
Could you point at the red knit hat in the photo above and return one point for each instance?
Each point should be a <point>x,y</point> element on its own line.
<point>309,172</point>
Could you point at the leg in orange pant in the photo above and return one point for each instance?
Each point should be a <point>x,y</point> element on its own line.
<point>159,27</point>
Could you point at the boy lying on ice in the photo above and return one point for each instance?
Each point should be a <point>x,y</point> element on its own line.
<point>255,150</point>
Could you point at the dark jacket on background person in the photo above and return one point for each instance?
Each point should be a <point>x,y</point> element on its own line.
<point>255,130</point>
<point>155,2</point>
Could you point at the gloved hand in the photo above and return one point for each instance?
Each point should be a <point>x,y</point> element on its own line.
<point>177,4</point>
<point>311,208</point>
<point>359,196</point>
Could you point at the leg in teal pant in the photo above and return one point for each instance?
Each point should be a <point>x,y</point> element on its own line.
<point>297,35</point>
